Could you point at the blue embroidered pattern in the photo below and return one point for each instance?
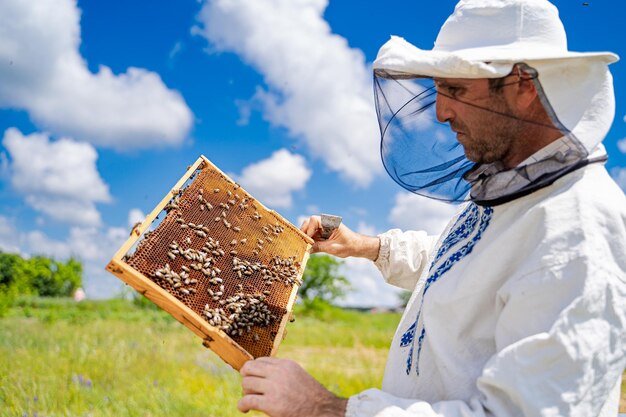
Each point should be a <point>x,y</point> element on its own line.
<point>462,232</point>
<point>459,232</point>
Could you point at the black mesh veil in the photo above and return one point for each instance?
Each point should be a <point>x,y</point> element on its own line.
<point>424,156</point>
<point>419,153</point>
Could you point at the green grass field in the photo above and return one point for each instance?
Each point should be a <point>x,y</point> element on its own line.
<point>59,358</point>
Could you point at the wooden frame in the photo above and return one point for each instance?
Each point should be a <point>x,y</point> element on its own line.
<point>213,338</point>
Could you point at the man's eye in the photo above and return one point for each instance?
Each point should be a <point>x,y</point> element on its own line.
<point>453,91</point>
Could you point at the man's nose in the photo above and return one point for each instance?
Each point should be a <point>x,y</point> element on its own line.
<point>443,108</point>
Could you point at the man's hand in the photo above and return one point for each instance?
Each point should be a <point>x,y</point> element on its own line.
<point>281,388</point>
<point>343,242</point>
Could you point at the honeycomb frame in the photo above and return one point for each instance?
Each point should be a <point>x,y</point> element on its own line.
<point>247,233</point>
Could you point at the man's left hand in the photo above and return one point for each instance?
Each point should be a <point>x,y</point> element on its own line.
<point>281,388</point>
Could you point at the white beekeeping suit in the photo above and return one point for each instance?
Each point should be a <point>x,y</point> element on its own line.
<point>519,307</point>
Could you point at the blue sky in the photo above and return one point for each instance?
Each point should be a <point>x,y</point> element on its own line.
<point>104,104</point>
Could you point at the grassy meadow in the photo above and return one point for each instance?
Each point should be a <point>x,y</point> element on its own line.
<point>111,358</point>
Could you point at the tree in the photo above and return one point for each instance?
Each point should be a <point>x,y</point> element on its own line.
<point>404,297</point>
<point>321,280</point>
<point>68,277</point>
<point>39,275</point>
<point>8,264</point>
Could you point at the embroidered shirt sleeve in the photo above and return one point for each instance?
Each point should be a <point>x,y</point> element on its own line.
<point>403,256</point>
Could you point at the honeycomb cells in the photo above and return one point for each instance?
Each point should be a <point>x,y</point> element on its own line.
<point>222,253</point>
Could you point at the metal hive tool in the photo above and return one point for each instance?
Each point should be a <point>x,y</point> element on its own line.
<point>216,247</point>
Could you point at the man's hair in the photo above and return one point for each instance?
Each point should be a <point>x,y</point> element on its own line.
<point>521,69</point>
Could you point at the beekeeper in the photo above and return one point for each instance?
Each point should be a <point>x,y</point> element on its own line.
<point>518,308</point>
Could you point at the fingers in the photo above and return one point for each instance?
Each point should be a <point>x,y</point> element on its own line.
<point>312,226</point>
<point>250,402</point>
<point>253,385</point>
<point>256,367</point>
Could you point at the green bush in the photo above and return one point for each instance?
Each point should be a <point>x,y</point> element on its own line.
<point>8,295</point>
<point>38,276</point>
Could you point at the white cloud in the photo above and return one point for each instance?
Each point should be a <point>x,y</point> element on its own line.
<point>178,47</point>
<point>134,216</point>
<point>58,178</point>
<point>93,246</point>
<point>414,212</point>
<point>9,236</point>
<point>621,145</point>
<point>619,175</point>
<point>66,210</point>
<point>273,180</point>
<point>366,229</point>
<point>43,73</point>
<point>368,286</point>
<point>319,88</point>
<point>369,289</point>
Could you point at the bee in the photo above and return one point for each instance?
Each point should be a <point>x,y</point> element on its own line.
<point>237,229</point>
<point>216,190</point>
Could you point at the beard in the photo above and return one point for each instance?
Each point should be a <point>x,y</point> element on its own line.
<point>492,133</point>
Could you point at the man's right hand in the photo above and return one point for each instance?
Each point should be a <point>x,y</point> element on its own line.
<point>343,242</point>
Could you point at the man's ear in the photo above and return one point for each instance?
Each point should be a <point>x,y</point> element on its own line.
<point>526,91</point>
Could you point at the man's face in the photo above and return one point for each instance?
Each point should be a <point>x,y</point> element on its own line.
<point>478,115</point>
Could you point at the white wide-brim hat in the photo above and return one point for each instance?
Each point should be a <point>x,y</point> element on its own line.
<point>484,38</point>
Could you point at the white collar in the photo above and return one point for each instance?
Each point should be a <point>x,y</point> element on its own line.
<point>559,145</point>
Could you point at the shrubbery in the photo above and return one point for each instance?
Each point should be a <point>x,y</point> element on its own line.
<point>37,276</point>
